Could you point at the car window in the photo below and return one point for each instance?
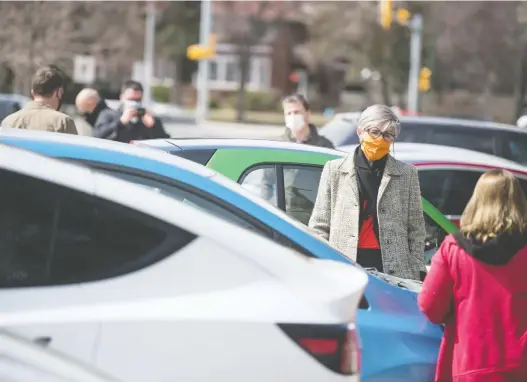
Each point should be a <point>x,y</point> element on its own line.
<point>515,147</point>
<point>262,181</point>
<point>51,235</point>
<point>412,133</point>
<point>448,190</point>
<point>188,197</point>
<point>301,187</point>
<point>466,138</point>
<point>201,156</point>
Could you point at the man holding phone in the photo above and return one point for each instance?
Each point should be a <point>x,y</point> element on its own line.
<point>136,122</point>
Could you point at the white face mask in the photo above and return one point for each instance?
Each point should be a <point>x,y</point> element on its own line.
<point>295,122</point>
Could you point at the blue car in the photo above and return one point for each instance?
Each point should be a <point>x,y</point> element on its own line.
<point>398,342</point>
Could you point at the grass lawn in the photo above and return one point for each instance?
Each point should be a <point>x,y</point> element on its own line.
<point>260,117</point>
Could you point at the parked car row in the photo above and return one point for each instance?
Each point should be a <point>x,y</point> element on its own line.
<point>145,287</point>
<point>505,141</point>
<point>148,244</point>
<point>388,319</point>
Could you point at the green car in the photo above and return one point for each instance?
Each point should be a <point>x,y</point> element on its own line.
<point>285,174</point>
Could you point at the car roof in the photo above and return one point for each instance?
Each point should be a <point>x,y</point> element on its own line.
<point>214,143</point>
<point>104,144</point>
<point>428,153</point>
<point>405,151</point>
<point>443,121</point>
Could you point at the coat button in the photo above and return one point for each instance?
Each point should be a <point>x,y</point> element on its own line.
<point>391,271</point>
<point>382,210</point>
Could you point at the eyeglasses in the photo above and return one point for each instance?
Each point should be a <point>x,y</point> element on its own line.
<point>376,133</point>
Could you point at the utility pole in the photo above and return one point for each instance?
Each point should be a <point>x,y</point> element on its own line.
<point>205,29</point>
<point>148,54</point>
<point>416,28</point>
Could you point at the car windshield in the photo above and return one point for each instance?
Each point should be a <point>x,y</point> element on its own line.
<point>339,129</point>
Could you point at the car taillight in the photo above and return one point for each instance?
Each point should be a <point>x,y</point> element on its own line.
<point>334,346</point>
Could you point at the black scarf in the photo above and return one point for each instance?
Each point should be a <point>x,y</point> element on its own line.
<point>91,118</point>
<point>369,179</point>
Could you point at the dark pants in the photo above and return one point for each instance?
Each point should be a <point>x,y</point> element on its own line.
<point>370,258</point>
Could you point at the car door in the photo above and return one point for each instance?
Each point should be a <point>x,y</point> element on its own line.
<point>30,291</point>
<point>291,187</point>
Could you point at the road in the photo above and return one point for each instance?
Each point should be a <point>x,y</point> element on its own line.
<point>223,130</point>
<point>208,130</point>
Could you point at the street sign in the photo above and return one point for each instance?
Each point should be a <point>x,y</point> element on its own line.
<point>84,70</point>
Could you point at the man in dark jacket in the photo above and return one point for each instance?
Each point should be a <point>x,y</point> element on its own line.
<point>136,123</point>
<point>103,120</point>
<point>298,128</point>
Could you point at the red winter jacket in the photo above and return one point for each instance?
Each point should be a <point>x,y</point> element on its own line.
<point>480,292</point>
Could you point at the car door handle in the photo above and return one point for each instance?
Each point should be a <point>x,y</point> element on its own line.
<point>42,341</point>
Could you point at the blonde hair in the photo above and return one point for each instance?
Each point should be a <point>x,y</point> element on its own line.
<point>497,205</point>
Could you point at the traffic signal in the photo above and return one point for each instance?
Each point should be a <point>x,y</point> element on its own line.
<point>402,16</point>
<point>425,75</point>
<point>198,52</point>
<point>294,77</point>
<point>386,11</point>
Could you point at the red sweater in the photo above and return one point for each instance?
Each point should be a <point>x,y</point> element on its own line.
<point>480,292</point>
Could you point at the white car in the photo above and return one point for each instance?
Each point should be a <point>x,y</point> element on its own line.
<point>24,361</point>
<point>147,288</point>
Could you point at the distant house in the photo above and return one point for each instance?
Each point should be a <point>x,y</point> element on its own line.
<point>273,58</point>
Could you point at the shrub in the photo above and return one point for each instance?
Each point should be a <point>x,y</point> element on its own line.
<point>161,94</point>
<point>257,101</point>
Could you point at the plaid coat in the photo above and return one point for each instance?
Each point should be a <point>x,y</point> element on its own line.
<point>400,213</point>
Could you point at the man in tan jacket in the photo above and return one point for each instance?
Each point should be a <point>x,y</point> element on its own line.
<point>42,113</point>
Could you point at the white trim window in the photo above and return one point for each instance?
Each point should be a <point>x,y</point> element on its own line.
<point>224,71</point>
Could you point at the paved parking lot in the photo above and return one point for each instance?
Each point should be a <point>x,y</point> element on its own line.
<point>223,130</point>
<point>209,129</point>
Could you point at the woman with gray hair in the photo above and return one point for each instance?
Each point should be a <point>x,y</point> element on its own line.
<point>369,204</point>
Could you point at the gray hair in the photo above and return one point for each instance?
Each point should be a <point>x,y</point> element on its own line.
<point>379,117</point>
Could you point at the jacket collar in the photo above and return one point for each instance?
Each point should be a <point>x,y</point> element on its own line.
<point>31,105</point>
<point>313,135</point>
<point>348,165</point>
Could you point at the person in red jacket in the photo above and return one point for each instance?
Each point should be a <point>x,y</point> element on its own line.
<point>477,287</point>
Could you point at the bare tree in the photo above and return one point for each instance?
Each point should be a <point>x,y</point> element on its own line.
<point>54,32</point>
<point>247,24</point>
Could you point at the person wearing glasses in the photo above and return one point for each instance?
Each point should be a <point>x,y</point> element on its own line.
<point>368,204</point>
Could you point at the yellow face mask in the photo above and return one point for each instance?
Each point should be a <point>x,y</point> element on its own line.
<point>374,148</point>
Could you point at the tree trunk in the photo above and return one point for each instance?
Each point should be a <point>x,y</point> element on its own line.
<point>175,90</point>
<point>244,60</point>
<point>385,90</point>
<point>520,87</point>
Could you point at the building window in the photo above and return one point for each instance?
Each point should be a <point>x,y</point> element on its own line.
<point>232,71</point>
<point>224,72</point>
<point>213,71</point>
